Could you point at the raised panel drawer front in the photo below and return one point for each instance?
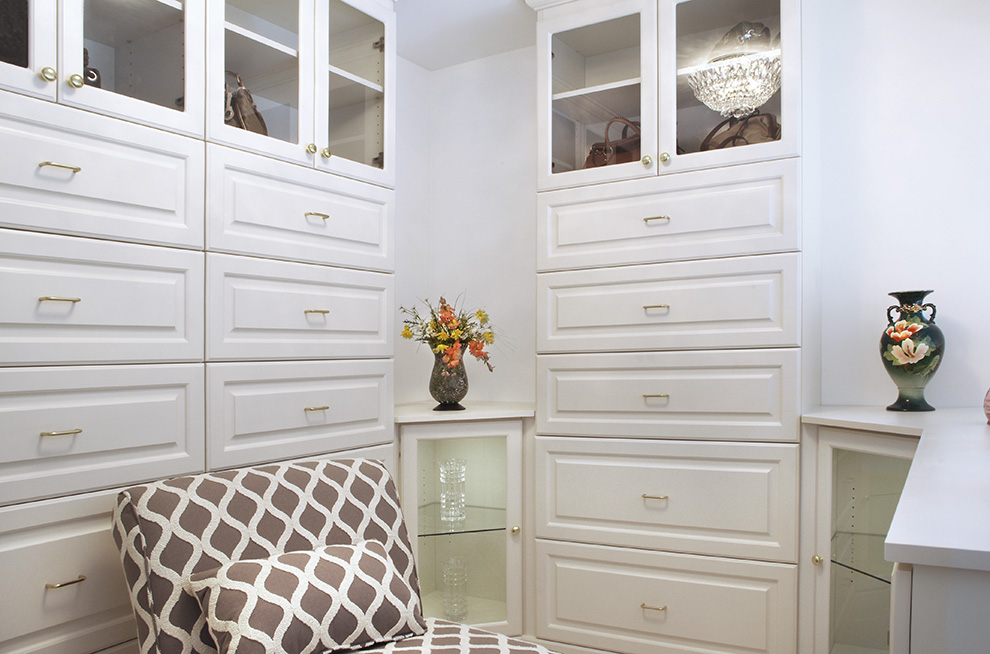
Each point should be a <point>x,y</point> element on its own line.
<point>722,303</point>
<point>733,395</point>
<point>71,429</point>
<point>727,499</point>
<point>65,299</point>
<point>737,210</point>
<point>66,543</point>
<point>271,410</point>
<point>267,207</point>
<point>72,172</point>
<point>637,602</point>
<point>275,309</point>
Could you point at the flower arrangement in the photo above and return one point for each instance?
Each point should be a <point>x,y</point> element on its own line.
<point>446,330</point>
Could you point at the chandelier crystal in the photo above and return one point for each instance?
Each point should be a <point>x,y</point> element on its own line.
<point>742,74</point>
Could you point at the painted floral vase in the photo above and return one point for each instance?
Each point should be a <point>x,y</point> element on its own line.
<point>986,407</point>
<point>448,385</point>
<point>911,348</point>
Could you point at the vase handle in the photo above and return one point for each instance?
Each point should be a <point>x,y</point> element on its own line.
<point>932,307</point>
<point>890,318</point>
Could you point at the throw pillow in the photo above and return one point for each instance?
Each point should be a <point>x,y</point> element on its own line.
<point>336,597</point>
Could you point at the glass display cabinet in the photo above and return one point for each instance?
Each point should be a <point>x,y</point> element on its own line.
<point>140,60</point>
<point>639,88</point>
<point>461,491</point>
<point>859,480</point>
<point>320,75</point>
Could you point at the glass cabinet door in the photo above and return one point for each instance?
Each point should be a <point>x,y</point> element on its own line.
<point>28,52</point>
<point>260,77</point>
<point>598,119</point>
<point>461,501</point>
<point>860,479</point>
<point>354,77</point>
<point>727,71</point>
<point>140,60</point>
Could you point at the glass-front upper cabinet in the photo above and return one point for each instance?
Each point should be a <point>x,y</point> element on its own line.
<point>306,81</point>
<point>140,60</point>
<point>637,88</point>
<point>598,110</point>
<point>859,480</point>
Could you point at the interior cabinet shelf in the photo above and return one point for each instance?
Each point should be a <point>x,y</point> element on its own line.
<point>478,519</point>
<point>600,103</point>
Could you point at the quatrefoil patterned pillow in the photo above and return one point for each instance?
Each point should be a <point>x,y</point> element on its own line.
<point>339,597</point>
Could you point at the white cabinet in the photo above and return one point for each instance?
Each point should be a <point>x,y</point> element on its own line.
<point>634,60</point>
<point>141,61</point>
<point>466,534</point>
<point>321,74</point>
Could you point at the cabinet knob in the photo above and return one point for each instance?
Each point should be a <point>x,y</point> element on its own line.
<point>647,161</point>
<point>516,530</point>
<point>817,560</point>
<point>48,74</point>
<point>326,153</point>
<point>76,81</point>
<point>311,148</point>
<point>664,157</point>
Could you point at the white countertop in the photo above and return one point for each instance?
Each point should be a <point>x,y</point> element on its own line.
<point>423,412</point>
<point>943,517</point>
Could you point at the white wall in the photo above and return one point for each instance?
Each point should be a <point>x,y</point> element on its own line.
<point>465,224</point>
<point>904,187</point>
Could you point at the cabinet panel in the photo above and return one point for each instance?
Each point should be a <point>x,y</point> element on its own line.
<point>65,299</point>
<point>653,602</point>
<point>750,301</point>
<point>55,542</point>
<point>736,395</point>
<point>75,173</point>
<point>274,309</point>
<point>749,210</point>
<point>262,206</point>
<point>75,429</point>
<point>267,411</point>
<point>729,499</point>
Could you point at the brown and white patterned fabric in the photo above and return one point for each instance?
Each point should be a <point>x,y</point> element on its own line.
<point>335,597</point>
<point>444,637</point>
<point>169,530</point>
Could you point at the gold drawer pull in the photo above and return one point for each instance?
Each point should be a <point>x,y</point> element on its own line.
<point>647,396</point>
<point>317,408</point>
<point>324,216</point>
<point>55,164</point>
<point>79,580</point>
<point>320,311</point>
<point>67,432</point>
<point>655,497</point>
<point>55,298</point>
<point>652,218</point>
<point>646,606</point>
<point>647,307</point>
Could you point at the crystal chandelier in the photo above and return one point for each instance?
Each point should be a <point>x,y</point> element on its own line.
<point>742,74</point>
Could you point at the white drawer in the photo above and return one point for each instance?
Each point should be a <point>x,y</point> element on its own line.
<point>274,309</point>
<point>716,395</point>
<point>72,429</point>
<point>267,207</point>
<point>726,499</point>
<point>271,410</point>
<point>55,542</point>
<point>67,299</point>
<point>611,599</point>
<point>713,213</point>
<point>134,183</point>
<point>722,303</point>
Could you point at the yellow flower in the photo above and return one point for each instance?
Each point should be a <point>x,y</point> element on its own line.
<point>482,316</point>
<point>406,332</point>
<point>441,348</point>
<point>489,337</point>
<point>443,336</point>
<point>457,334</point>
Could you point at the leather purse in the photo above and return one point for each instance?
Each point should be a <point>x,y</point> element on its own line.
<point>240,110</point>
<point>624,150</point>
<point>758,128</point>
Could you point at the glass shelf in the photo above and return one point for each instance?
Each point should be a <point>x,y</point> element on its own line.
<point>862,554</point>
<point>478,519</point>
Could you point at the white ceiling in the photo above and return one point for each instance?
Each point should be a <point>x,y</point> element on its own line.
<point>435,34</point>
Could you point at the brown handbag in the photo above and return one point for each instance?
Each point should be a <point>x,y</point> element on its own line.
<point>608,152</point>
<point>240,110</point>
<point>758,128</point>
